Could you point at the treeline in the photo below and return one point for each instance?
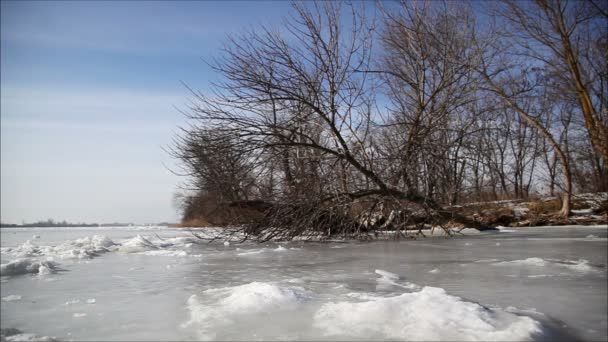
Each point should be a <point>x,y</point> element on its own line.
<point>345,111</point>
<point>64,223</point>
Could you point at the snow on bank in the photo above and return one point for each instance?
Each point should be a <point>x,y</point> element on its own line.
<point>429,314</point>
<point>28,265</point>
<point>218,308</point>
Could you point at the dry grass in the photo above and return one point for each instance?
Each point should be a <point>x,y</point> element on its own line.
<point>539,207</point>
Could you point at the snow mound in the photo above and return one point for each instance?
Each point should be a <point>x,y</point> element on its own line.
<point>217,308</point>
<point>27,265</point>
<point>429,314</point>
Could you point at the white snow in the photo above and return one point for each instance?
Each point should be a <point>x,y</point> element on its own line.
<point>91,301</point>
<point>582,212</point>
<point>434,271</point>
<point>27,265</point>
<point>11,298</point>
<point>427,315</point>
<point>78,314</point>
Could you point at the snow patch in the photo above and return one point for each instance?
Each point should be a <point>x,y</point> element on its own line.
<point>429,314</point>
<point>434,271</point>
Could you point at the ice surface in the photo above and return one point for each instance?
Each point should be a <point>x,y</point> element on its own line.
<point>428,315</point>
<point>27,265</point>
<point>286,294</point>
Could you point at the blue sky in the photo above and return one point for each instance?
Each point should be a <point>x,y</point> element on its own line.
<point>88,97</point>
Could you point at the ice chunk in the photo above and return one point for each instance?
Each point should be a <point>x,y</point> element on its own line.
<point>580,265</point>
<point>429,314</point>
<point>78,314</point>
<point>83,248</point>
<point>389,279</point>
<point>27,265</point>
<point>252,252</point>
<point>525,262</point>
<point>434,271</point>
<point>165,252</point>
<point>137,244</point>
<point>11,298</point>
<point>91,301</point>
<point>16,335</point>
<point>226,243</point>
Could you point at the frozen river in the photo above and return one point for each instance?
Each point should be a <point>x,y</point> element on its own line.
<point>161,284</point>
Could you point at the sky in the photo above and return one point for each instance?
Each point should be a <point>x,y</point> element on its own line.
<point>89,102</point>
